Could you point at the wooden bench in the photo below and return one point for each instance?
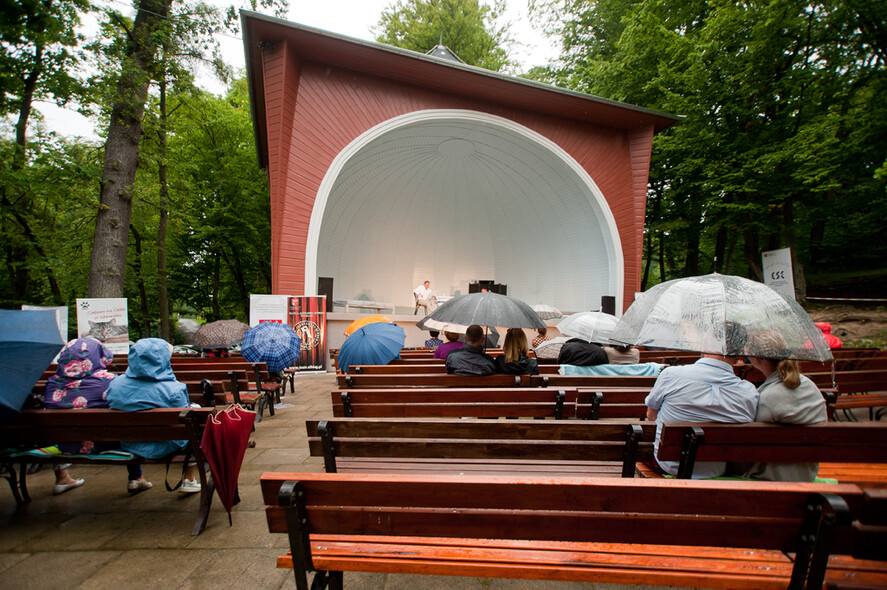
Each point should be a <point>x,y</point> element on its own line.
<point>419,368</point>
<point>426,380</point>
<point>588,381</point>
<point>713,534</point>
<point>238,388</point>
<point>506,447</point>
<point>479,402</point>
<point>834,445</point>
<point>628,402</point>
<point>611,402</point>
<point>32,429</point>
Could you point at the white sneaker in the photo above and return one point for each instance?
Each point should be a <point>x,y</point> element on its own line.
<point>190,486</point>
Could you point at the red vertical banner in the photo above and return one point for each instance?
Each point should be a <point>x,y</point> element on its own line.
<point>307,316</point>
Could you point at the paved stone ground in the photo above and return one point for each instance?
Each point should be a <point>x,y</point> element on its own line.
<point>97,537</point>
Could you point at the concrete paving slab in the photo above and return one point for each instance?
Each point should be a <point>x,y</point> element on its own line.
<point>97,537</point>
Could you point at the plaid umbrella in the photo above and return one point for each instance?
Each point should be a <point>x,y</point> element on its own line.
<point>220,334</point>
<point>276,345</point>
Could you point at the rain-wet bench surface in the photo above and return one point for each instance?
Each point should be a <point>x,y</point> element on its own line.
<point>710,534</point>
<point>454,402</point>
<point>849,452</point>
<point>507,447</point>
<point>39,428</point>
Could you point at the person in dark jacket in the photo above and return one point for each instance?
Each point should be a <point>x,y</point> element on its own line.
<point>577,351</point>
<point>471,358</point>
<point>515,361</point>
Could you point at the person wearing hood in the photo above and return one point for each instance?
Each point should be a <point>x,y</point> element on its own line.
<point>516,361</point>
<point>81,381</point>
<point>833,341</point>
<point>148,383</point>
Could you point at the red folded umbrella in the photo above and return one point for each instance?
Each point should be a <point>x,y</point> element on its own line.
<point>224,444</point>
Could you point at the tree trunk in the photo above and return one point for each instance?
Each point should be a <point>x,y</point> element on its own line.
<point>236,266</point>
<point>648,250</point>
<point>797,267</point>
<point>108,259</point>
<point>753,255</point>
<point>162,293</point>
<point>720,250</point>
<point>217,281</point>
<point>143,292</point>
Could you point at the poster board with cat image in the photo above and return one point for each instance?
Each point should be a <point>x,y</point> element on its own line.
<point>105,320</point>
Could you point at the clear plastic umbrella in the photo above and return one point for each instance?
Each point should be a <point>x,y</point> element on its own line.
<point>591,326</point>
<point>547,312</point>
<point>698,313</point>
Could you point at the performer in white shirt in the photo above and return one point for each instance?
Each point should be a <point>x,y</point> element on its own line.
<point>425,297</point>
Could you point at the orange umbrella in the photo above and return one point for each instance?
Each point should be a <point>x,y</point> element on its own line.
<point>370,319</point>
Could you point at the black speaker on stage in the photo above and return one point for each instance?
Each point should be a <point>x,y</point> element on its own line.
<point>325,287</point>
<point>608,304</point>
<point>490,286</point>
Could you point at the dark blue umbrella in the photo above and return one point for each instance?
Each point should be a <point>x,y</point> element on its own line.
<point>29,340</point>
<point>374,344</point>
<point>272,343</point>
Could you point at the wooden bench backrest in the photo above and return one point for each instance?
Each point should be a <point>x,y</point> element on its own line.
<point>481,402</point>
<point>426,380</point>
<point>38,426</point>
<point>867,380</point>
<point>593,403</point>
<point>855,442</point>
<point>419,368</point>
<point>480,439</point>
<point>588,381</point>
<point>608,510</point>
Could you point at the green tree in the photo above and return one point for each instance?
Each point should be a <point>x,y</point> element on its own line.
<point>221,250</point>
<point>783,130</point>
<point>469,29</point>
<point>38,41</point>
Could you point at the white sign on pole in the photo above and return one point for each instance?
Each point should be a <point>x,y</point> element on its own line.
<point>778,272</point>
<point>267,308</point>
<point>106,320</point>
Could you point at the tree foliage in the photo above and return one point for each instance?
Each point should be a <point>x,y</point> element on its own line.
<point>469,29</point>
<point>783,131</point>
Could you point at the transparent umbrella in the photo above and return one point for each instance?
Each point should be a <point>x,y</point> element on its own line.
<point>547,312</point>
<point>697,314</point>
<point>591,326</point>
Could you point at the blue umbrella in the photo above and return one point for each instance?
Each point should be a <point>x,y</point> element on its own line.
<point>272,343</point>
<point>29,340</point>
<point>374,344</point>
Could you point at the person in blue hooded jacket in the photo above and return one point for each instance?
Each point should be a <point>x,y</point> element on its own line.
<point>148,383</point>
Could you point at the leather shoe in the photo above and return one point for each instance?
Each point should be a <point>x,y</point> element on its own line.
<point>61,488</point>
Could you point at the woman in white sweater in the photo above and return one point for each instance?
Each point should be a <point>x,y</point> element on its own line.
<point>787,397</point>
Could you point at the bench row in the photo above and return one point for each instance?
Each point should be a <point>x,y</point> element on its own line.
<point>677,533</point>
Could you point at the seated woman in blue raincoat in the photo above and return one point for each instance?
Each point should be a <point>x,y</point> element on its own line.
<point>150,383</point>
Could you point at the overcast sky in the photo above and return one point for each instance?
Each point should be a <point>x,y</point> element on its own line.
<point>353,18</point>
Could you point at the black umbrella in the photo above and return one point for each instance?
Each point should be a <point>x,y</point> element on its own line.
<point>488,309</point>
